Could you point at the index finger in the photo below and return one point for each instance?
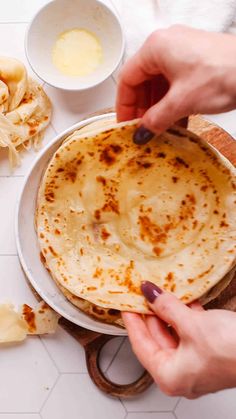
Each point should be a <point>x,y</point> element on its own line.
<point>145,64</point>
<point>145,348</point>
<point>143,345</point>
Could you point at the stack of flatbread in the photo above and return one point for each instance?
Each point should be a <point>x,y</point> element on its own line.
<point>25,109</point>
<point>111,214</point>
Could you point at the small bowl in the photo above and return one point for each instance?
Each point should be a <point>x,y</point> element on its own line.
<point>63,15</point>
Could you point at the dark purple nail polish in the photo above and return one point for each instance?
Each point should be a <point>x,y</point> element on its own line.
<point>142,135</point>
<point>150,291</point>
<point>182,122</point>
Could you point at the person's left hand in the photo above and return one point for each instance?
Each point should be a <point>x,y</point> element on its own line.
<point>200,357</point>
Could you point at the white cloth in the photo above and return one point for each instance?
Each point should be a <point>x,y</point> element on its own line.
<point>212,15</point>
<point>141,17</point>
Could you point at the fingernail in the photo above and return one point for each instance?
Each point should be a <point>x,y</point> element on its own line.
<point>182,122</point>
<point>150,291</point>
<point>142,135</point>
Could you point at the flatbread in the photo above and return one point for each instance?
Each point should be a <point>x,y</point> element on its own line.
<point>107,315</point>
<point>39,320</point>
<point>112,214</point>
<point>215,291</point>
<point>25,109</point>
<point>196,127</point>
<point>102,314</point>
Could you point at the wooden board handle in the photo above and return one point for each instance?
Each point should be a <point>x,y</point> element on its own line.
<point>92,351</point>
<point>93,343</point>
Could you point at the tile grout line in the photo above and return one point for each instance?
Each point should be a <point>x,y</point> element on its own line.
<point>75,373</point>
<point>113,359</point>
<point>124,406</point>
<point>175,415</point>
<point>8,254</point>
<point>50,356</point>
<point>54,129</point>
<point>150,411</point>
<point>114,80</point>
<point>14,23</point>
<point>49,394</point>
<point>114,355</point>
<point>19,413</point>
<point>11,176</point>
<point>176,405</point>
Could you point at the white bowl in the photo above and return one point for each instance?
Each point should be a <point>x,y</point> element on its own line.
<point>63,15</point>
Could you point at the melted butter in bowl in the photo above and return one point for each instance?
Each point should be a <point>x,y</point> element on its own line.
<point>75,44</point>
<point>77,52</point>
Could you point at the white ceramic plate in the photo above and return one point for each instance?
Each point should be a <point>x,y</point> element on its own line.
<point>27,242</point>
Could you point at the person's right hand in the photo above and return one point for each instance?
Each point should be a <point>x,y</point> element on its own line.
<point>178,72</point>
<point>200,356</point>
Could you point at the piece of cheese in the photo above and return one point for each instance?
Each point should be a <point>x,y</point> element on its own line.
<point>15,326</point>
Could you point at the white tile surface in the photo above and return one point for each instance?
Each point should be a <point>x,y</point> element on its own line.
<point>20,416</point>
<point>28,372</point>
<point>108,353</point>
<point>66,352</point>
<point>20,10</point>
<point>221,405</point>
<point>13,284</point>
<point>153,400</point>
<point>125,368</point>
<point>27,375</point>
<point>69,355</point>
<point>74,396</point>
<point>73,106</point>
<point>9,193</point>
<point>144,415</point>
<point>24,10</point>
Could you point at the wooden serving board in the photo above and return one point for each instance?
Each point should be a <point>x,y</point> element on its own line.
<point>226,145</point>
<point>93,342</point>
<point>215,136</point>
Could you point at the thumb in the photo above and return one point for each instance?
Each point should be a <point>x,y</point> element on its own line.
<point>168,307</point>
<point>165,112</point>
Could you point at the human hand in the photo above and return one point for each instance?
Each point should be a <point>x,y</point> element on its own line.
<point>198,358</point>
<point>178,72</point>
